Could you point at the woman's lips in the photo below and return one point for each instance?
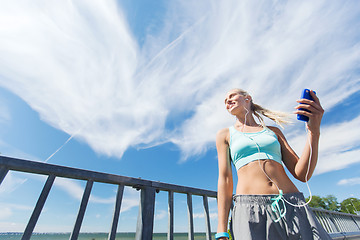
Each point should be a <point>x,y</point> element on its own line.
<point>231,106</point>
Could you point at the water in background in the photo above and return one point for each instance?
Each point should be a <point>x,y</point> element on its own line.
<point>96,236</point>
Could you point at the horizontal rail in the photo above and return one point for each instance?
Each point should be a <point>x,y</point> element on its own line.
<point>80,174</point>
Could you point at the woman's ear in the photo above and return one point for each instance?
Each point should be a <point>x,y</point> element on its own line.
<point>248,98</point>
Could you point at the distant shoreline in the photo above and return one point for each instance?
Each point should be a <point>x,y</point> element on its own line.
<point>36,233</point>
<point>96,236</point>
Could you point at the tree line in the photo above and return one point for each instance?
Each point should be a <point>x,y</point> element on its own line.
<point>349,205</point>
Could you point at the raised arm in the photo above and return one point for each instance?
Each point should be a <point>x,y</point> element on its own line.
<point>225,180</point>
<point>298,166</point>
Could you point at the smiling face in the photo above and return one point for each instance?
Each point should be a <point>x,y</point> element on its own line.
<point>235,101</point>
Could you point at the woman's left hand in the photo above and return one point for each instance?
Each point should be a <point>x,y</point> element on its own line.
<point>315,112</point>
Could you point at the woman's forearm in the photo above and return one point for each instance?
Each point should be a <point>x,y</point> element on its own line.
<point>309,155</point>
<point>224,198</point>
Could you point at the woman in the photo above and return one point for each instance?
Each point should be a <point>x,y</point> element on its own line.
<point>267,205</point>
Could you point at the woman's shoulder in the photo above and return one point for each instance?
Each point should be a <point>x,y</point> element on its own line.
<point>223,132</point>
<point>223,135</point>
<point>276,130</point>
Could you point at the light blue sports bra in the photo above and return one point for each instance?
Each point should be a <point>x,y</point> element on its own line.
<point>244,146</point>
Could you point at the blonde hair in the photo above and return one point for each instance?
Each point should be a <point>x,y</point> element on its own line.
<point>278,117</point>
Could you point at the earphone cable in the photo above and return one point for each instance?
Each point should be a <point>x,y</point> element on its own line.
<point>307,172</point>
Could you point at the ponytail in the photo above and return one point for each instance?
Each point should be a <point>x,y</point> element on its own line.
<point>279,118</point>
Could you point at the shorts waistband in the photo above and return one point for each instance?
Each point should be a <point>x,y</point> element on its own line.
<point>266,199</point>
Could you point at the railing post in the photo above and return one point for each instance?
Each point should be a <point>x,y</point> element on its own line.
<point>336,225</point>
<point>325,221</point>
<point>190,216</point>
<point>117,208</point>
<point>39,206</point>
<point>145,223</point>
<point>207,218</point>
<point>170,235</point>
<point>3,172</point>
<point>357,225</point>
<point>80,216</point>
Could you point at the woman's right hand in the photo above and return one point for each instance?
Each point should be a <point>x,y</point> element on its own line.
<point>314,112</point>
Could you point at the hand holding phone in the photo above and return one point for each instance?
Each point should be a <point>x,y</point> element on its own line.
<point>305,94</point>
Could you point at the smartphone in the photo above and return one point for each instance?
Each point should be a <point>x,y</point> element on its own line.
<point>305,94</point>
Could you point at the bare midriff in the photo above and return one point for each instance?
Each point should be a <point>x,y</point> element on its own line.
<point>253,181</point>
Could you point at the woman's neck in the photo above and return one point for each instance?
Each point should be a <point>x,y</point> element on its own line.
<point>247,120</point>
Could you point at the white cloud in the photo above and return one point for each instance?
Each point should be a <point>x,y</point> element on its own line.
<point>5,212</point>
<point>131,199</point>
<point>9,150</point>
<point>349,181</point>
<point>75,190</point>
<point>339,145</point>
<point>78,65</point>
<point>11,226</point>
<point>11,182</point>
<point>161,214</point>
<point>202,215</point>
<point>59,52</point>
<point>272,53</point>
<point>5,115</point>
<point>71,187</point>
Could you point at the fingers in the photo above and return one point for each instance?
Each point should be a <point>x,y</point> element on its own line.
<point>310,108</point>
<point>306,103</point>
<point>316,101</point>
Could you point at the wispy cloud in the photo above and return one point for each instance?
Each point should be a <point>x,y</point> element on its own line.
<point>11,182</point>
<point>78,64</point>
<point>5,115</point>
<point>75,190</point>
<point>11,226</point>
<point>60,52</point>
<point>273,50</point>
<point>6,209</point>
<point>5,212</point>
<point>202,215</point>
<point>349,181</point>
<point>339,145</point>
<point>161,214</point>
<point>9,150</point>
<point>71,187</point>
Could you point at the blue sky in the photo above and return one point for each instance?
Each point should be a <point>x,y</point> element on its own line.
<point>139,86</point>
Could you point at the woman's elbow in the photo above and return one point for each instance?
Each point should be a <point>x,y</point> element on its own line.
<point>303,177</point>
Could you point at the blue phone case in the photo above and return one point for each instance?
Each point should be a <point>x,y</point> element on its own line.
<point>305,94</point>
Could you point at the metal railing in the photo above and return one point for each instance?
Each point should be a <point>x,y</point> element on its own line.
<point>338,225</point>
<point>144,228</point>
